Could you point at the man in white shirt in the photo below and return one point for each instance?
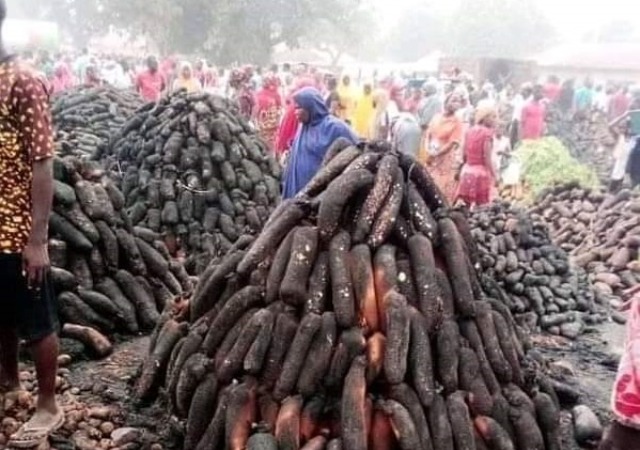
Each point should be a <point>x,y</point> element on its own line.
<point>518,103</point>
<point>113,74</point>
<point>81,64</point>
<point>601,99</point>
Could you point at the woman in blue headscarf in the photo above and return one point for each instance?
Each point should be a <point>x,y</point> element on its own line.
<point>317,132</point>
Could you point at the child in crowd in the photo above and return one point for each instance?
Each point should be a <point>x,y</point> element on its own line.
<point>501,150</point>
<point>625,142</point>
<point>508,165</point>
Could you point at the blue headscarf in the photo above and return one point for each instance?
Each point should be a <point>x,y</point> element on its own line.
<point>312,141</point>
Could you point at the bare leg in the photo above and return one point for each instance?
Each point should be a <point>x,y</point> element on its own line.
<point>9,379</point>
<point>605,443</point>
<point>47,416</point>
<point>45,355</point>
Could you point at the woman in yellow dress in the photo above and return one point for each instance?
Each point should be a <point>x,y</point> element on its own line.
<point>348,99</point>
<point>364,113</point>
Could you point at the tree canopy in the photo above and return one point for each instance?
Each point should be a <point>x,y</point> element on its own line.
<point>418,32</point>
<point>347,32</point>
<point>226,30</point>
<point>493,28</point>
<point>498,28</point>
<point>231,31</point>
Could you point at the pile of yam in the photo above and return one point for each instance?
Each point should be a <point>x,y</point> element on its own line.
<point>193,170</point>
<point>537,281</point>
<point>588,138</point>
<point>354,320</point>
<point>599,230</point>
<point>108,275</point>
<point>84,119</point>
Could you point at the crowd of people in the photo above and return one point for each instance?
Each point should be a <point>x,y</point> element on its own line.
<point>464,133</point>
<point>462,130</point>
<point>151,77</point>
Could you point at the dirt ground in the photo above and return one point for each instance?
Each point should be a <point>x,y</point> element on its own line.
<point>590,364</point>
<point>107,383</point>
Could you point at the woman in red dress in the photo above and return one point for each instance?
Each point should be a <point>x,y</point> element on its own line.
<point>477,178</point>
<point>268,110</point>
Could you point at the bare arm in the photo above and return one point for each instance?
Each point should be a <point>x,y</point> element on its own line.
<point>42,198</point>
<point>451,146</point>
<point>165,84</point>
<point>615,122</point>
<point>137,83</point>
<point>455,140</point>
<point>488,158</point>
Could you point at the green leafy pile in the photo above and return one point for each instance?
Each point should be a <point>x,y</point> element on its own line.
<point>547,162</point>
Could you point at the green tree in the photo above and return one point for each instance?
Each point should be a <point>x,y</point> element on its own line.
<point>498,28</point>
<point>227,30</point>
<point>419,31</point>
<point>349,32</point>
<point>243,30</point>
<point>163,23</point>
<point>247,30</point>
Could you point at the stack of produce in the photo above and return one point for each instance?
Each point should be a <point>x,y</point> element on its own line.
<point>547,161</point>
<point>588,139</point>
<point>520,194</point>
<point>108,276</point>
<point>353,321</point>
<point>600,230</point>
<point>84,119</point>
<point>544,291</point>
<point>193,170</point>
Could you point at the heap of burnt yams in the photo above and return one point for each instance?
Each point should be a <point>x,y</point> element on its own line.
<point>354,320</point>
<point>137,189</point>
<point>192,169</point>
<point>108,276</point>
<point>85,119</point>
<point>544,290</point>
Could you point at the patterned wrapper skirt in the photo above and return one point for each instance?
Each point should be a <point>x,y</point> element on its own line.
<point>476,185</point>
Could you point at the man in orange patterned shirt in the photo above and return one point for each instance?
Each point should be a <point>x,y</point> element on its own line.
<point>27,309</point>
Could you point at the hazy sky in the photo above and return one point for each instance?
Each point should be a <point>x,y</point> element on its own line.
<point>588,14</point>
<point>573,18</point>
